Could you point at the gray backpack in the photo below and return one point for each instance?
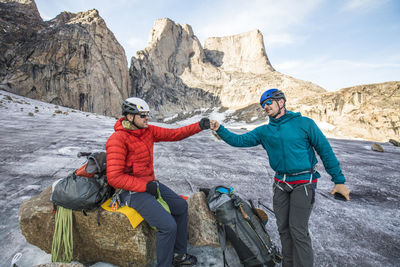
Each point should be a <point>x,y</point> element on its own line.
<point>85,188</point>
<point>241,225</point>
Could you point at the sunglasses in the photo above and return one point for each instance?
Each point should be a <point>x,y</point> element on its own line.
<point>143,115</point>
<point>267,102</point>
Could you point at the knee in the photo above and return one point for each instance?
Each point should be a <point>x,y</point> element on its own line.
<point>283,226</point>
<point>299,233</point>
<point>181,207</point>
<point>169,226</point>
<point>284,230</point>
<point>184,206</point>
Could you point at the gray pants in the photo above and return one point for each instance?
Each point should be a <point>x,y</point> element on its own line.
<point>292,207</point>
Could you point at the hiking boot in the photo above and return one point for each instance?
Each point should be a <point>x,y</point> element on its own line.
<point>184,260</point>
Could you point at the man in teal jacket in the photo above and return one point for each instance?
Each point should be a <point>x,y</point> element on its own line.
<point>290,140</point>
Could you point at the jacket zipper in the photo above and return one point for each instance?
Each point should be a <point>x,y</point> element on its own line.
<point>148,150</point>
<point>283,148</point>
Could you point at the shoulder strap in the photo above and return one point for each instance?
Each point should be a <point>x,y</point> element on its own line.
<point>222,241</point>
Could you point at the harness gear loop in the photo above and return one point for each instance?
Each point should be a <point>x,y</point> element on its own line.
<point>116,200</point>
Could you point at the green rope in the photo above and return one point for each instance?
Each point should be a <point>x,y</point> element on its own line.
<point>62,247</point>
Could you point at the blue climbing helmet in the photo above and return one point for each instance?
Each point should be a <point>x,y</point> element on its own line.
<point>271,94</point>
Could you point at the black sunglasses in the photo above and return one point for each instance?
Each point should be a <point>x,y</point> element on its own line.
<point>143,115</point>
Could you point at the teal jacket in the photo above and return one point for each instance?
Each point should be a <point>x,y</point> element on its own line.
<point>289,142</point>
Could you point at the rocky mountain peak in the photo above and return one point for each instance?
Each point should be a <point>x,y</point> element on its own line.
<point>19,15</point>
<point>231,71</point>
<point>27,7</point>
<point>162,26</point>
<point>73,60</point>
<point>172,46</point>
<point>242,52</point>
<point>86,17</point>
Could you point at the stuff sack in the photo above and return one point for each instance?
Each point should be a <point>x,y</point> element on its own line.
<point>86,188</point>
<point>241,225</point>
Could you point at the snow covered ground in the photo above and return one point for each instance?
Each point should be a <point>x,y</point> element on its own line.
<point>39,143</point>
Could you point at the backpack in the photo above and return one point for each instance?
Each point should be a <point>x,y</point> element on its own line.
<point>86,188</point>
<point>242,225</point>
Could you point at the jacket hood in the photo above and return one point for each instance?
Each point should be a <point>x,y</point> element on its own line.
<point>285,118</point>
<point>120,127</point>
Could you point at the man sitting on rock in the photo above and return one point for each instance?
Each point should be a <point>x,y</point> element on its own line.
<point>130,167</point>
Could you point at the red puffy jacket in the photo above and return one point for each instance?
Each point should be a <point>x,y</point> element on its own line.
<point>130,153</point>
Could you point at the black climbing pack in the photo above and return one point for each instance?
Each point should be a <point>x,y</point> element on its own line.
<point>86,188</point>
<point>241,225</point>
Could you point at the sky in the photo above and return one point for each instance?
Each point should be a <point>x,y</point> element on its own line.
<point>334,44</point>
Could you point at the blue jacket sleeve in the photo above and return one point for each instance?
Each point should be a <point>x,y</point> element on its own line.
<point>324,150</point>
<point>239,140</point>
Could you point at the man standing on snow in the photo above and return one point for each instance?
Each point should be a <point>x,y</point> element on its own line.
<point>130,167</point>
<point>290,140</point>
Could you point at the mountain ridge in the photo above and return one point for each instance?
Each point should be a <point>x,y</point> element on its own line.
<point>74,60</point>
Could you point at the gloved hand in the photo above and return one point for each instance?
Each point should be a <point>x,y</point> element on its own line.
<point>204,123</point>
<point>151,188</point>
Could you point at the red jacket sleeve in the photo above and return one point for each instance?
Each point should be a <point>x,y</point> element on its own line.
<point>164,134</point>
<point>116,150</point>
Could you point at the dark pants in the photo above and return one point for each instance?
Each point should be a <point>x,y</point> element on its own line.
<point>292,209</point>
<point>171,228</point>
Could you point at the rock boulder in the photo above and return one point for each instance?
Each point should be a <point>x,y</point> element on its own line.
<point>201,222</point>
<point>394,142</point>
<point>376,147</point>
<point>114,241</point>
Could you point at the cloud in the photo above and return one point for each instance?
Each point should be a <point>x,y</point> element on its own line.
<point>334,74</point>
<point>288,65</point>
<point>274,19</point>
<point>279,39</point>
<point>326,63</point>
<point>362,5</point>
<point>136,42</point>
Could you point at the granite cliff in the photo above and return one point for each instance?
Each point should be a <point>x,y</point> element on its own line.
<point>175,73</point>
<point>370,111</point>
<point>72,60</point>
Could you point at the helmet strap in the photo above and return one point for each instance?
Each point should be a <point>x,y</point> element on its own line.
<point>280,108</point>
<point>133,122</point>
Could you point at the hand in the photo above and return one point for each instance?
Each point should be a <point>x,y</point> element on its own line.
<point>151,188</point>
<point>204,123</point>
<point>214,125</point>
<point>341,189</point>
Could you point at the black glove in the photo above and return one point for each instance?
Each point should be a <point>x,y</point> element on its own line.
<point>204,123</point>
<point>151,188</point>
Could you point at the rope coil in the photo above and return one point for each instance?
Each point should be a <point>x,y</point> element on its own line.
<point>62,246</point>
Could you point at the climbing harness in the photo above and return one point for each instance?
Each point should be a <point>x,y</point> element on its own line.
<point>115,203</point>
<point>311,172</point>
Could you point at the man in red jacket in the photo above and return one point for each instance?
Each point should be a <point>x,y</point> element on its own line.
<point>130,167</point>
